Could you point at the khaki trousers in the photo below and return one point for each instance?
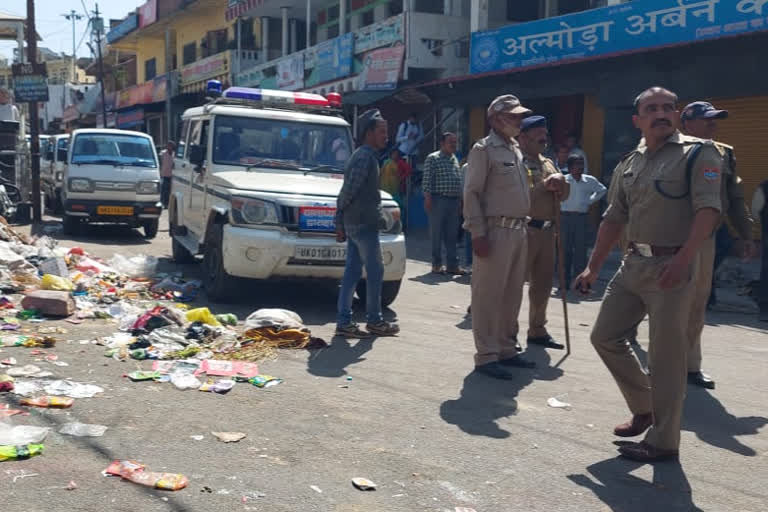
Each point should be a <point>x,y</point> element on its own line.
<point>699,306</point>
<point>497,292</point>
<point>541,263</point>
<point>631,294</point>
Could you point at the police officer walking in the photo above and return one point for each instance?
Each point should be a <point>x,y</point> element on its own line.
<point>699,119</point>
<point>667,216</point>
<point>496,203</point>
<point>541,240</point>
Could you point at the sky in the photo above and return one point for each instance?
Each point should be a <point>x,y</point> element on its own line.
<point>56,30</point>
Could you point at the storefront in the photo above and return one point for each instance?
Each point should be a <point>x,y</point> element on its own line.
<point>142,108</point>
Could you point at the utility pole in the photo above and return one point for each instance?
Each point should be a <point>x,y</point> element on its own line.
<point>74,17</point>
<point>98,27</point>
<point>34,123</point>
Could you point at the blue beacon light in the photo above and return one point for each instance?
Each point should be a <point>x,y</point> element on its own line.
<point>213,88</point>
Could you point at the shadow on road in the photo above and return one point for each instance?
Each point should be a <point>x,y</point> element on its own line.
<point>706,417</point>
<point>543,359</point>
<point>484,400</point>
<point>613,484</point>
<point>333,360</point>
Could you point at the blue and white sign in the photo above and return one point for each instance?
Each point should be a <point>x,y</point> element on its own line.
<point>129,24</point>
<point>317,218</point>
<point>333,59</point>
<point>613,30</point>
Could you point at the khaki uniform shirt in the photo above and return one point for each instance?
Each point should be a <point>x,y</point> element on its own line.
<point>542,200</point>
<point>734,204</point>
<point>650,216</point>
<point>496,184</point>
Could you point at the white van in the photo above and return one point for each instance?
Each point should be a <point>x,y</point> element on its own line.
<point>112,176</point>
<point>254,190</point>
<point>53,161</point>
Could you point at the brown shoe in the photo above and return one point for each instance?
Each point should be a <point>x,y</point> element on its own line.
<point>634,427</point>
<point>644,452</point>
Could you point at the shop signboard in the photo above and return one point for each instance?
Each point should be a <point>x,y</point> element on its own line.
<point>381,69</point>
<point>290,72</point>
<point>208,67</point>
<point>385,33</point>
<point>30,82</point>
<point>129,24</point>
<point>250,77</point>
<point>332,59</point>
<point>130,118</point>
<point>630,27</point>
<point>148,13</point>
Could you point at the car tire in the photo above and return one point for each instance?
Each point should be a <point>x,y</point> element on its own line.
<point>151,228</point>
<point>220,286</point>
<point>70,225</point>
<point>389,292</point>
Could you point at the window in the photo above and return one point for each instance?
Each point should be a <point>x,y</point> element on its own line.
<point>333,13</point>
<point>333,30</point>
<point>182,139</point>
<point>217,41</point>
<point>150,69</point>
<point>395,7</point>
<point>523,11</point>
<point>569,6</point>
<point>366,18</point>
<point>431,6</point>
<point>190,53</point>
<point>194,135</point>
<point>102,148</point>
<point>267,143</point>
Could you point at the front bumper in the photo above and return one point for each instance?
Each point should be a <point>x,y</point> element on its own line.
<point>264,254</point>
<point>94,210</point>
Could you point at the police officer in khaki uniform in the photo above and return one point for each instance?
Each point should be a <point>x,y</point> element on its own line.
<point>668,213</point>
<point>496,203</point>
<point>699,119</point>
<point>541,235</point>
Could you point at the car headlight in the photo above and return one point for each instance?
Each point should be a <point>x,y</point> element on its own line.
<point>390,220</point>
<point>80,185</point>
<point>147,187</point>
<point>253,211</point>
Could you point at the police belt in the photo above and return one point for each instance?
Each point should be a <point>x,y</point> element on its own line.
<point>540,224</point>
<point>507,222</point>
<point>649,251</point>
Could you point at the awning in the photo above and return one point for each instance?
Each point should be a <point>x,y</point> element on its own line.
<point>365,97</point>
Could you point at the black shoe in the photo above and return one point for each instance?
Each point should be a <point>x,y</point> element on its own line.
<point>546,342</point>
<point>518,362</point>
<point>495,370</point>
<point>701,379</point>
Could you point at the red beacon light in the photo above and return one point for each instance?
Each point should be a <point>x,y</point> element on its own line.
<point>334,99</point>
<point>269,96</point>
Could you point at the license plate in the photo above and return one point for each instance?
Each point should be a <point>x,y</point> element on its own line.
<point>317,218</point>
<point>114,210</point>
<point>321,253</point>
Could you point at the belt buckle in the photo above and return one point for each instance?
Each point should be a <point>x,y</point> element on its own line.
<point>644,250</point>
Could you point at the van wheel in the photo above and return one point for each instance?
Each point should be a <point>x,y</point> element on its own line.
<point>219,285</point>
<point>150,228</point>
<point>389,292</point>
<point>71,225</point>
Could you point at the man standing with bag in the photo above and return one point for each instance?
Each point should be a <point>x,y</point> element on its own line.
<point>541,236</point>
<point>668,197</point>
<point>441,185</point>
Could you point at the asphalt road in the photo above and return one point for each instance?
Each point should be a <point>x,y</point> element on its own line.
<point>405,412</point>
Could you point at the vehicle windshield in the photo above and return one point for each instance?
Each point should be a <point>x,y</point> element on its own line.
<point>281,144</point>
<point>62,143</point>
<point>110,148</point>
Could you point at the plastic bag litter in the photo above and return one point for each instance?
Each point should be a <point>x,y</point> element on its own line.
<point>137,473</point>
<point>279,318</point>
<point>72,389</point>
<point>22,434</point>
<point>202,315</point>
<point>556,403</point>
<point>51,282</point>
<point>136,266</point>
<point>28,370</point>
<point>82,430</point>
<point>184,381</point>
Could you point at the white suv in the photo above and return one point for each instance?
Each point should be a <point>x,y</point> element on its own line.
<point>254,189</point>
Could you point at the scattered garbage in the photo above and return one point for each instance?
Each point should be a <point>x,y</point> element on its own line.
<point>280,319</point>
<point>221,386</point>
<point>316,489</point>
<point>228,368</point>
<point>22,434</point>
<point>184,381</point>
<point>19,452</point>
<point>197,438</point>
<point>143,375</point>
<point>27,370</point>
<point>265,381</point>
<point>136,266</point>
<point>7,412</point>
<point>82,430</point>
<point>363,484</point>
<point>72,389</point>
<point>49,402</point>
<point>228,437</point>
<point>49,302</point>
<point>6,383</point>
<point>71,486</point>
<point>56,283</point>
<point>137,473</point>
<point>19,474</point>
<point>204,316</point>
<point>227,319</point>
<point>557,403</point>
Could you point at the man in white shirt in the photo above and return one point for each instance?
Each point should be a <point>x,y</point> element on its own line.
<point>8,111</point>
<point>409,136</point>
<point>760,211</point>
<point>586,190</point>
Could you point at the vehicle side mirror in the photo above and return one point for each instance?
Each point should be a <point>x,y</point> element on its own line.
<point>196,154</point>
<point>61,155</point>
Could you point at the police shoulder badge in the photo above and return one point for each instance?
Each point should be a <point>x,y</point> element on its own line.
<point>711,173</point>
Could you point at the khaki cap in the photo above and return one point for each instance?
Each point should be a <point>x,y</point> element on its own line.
<point>506,104</point>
